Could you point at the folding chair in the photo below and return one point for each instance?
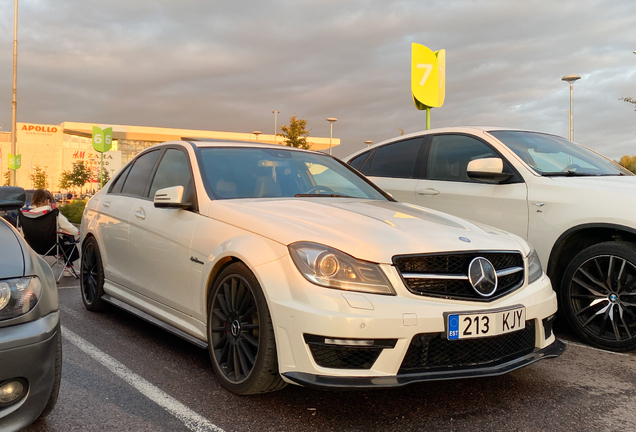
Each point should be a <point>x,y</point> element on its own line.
<point>42,235</point>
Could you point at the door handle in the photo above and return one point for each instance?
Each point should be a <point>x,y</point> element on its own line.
<point>106,203</point>
<point>428,192</point>
<point>140,214</point>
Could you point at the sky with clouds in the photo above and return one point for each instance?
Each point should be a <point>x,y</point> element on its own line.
<point>224,65</point>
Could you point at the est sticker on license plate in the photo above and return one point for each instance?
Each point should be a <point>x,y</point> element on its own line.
<point>476,325</point>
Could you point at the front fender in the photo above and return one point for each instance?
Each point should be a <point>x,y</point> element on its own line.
<point>215,251</point>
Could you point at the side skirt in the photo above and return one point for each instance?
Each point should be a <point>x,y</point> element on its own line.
<point>152,320</point>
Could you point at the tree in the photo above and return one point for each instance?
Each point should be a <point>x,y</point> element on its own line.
<point>65,180</point>
<point>38,177</point>
<point>629,100</point>
<point>79,175</point>
<point>296,133</point>
<point>104,173</point>
<point>628,162</point>
<point>7,178</point>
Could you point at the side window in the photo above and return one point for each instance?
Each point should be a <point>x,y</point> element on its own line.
<point>116,187</point>
<point>450,155</point>
<point>396,160</point>
<point>360,160</point>
<point>366,166</point>
<point>139,173</point>
<point>173,171</point>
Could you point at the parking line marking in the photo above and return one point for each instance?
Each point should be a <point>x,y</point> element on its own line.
<point>71,312</point>
<point>190,419</point>
<point>68,287</point>
<point>567,342</point>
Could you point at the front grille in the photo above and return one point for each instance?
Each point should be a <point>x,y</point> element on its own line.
<point>344,357</point>
<point>456,264</point>
<point>432,351</point>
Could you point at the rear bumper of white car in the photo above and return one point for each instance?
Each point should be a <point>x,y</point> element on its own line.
<point>332,338</point>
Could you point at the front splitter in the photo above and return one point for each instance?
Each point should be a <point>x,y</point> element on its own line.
<point>339,382</point>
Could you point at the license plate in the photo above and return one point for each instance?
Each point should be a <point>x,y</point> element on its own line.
<point>489,323</point>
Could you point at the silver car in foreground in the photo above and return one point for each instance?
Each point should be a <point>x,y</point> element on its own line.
<point>30,339</point>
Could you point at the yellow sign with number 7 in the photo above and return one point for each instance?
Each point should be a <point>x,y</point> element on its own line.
<point>428,76</point>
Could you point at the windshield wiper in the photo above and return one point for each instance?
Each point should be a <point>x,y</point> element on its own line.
<point>300,195</point>
<point>570,173</point>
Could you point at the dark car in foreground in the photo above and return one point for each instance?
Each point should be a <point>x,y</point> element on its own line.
<point>30,338</point>
<point>12,215</point>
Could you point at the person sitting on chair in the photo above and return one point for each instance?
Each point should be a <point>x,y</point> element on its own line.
<point>41,205</point>
<point>51,199</point>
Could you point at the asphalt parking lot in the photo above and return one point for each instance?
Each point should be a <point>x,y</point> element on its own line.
<point>123,374</point>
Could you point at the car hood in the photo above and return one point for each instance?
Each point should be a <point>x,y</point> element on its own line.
<point>369,230</point>
<point>607,184</point>
<point>11,253</point>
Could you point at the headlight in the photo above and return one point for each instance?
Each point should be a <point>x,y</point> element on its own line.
<point>331,268</point>
<point>534,267</point>
<point>18,296</point>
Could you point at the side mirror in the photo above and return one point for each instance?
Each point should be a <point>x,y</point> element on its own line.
<point>11,197</point>
<point>171,197</point>
<point>488,170</point>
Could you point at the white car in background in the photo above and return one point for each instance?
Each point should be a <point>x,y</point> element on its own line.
<point>291,267</point>
<point>573,205</point>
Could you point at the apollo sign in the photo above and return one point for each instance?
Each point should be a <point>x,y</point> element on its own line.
<point>39,128</point>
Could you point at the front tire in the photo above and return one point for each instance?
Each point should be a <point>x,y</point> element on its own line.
<point>92,276</point>
<point>598,295</point>
<point>241,335</point>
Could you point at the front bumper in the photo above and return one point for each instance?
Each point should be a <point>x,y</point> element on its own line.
<point>300,310</point>
<point>340,382</point>
<point>29,351</point>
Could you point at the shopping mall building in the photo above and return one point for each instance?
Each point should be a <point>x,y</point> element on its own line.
<point>56,147</point>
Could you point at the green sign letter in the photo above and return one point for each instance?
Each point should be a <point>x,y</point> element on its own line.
<point>15,162</point>
<point>102,139</point>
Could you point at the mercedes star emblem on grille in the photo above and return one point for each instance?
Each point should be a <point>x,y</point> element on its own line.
<point>482,276</point>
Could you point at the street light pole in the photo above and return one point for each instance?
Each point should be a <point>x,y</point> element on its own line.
<point>257,133</point>
<point>570,80</point>
<point>276,112</point>
<point>368,143</point>
<point>331,120</point>
<point>14,103</point>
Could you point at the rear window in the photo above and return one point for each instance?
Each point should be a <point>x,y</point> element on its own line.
<point>396,160</point>
<point>119,182</point>
<point>137,179</point>
<point>359,161</point>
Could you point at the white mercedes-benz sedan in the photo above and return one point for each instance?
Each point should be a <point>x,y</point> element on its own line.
<point>291,267</point>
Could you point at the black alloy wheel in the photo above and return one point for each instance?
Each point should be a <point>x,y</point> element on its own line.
<point>235,328</point>
<point>598,295</point>
<point>92,276</point>
<point>240,333</point>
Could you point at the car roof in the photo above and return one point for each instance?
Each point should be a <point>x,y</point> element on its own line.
<point>460,129</point>
<point>242,144</point>
<point>456,129</point>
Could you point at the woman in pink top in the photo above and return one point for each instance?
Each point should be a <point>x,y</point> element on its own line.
<point>41,205</point>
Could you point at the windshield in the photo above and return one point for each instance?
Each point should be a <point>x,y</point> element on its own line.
<point>551,155</point>
<point>259,173</point>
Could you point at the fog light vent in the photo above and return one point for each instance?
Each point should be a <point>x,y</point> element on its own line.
<point>337,353</point>
<point>547,325</point>
<point>11,391</point>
